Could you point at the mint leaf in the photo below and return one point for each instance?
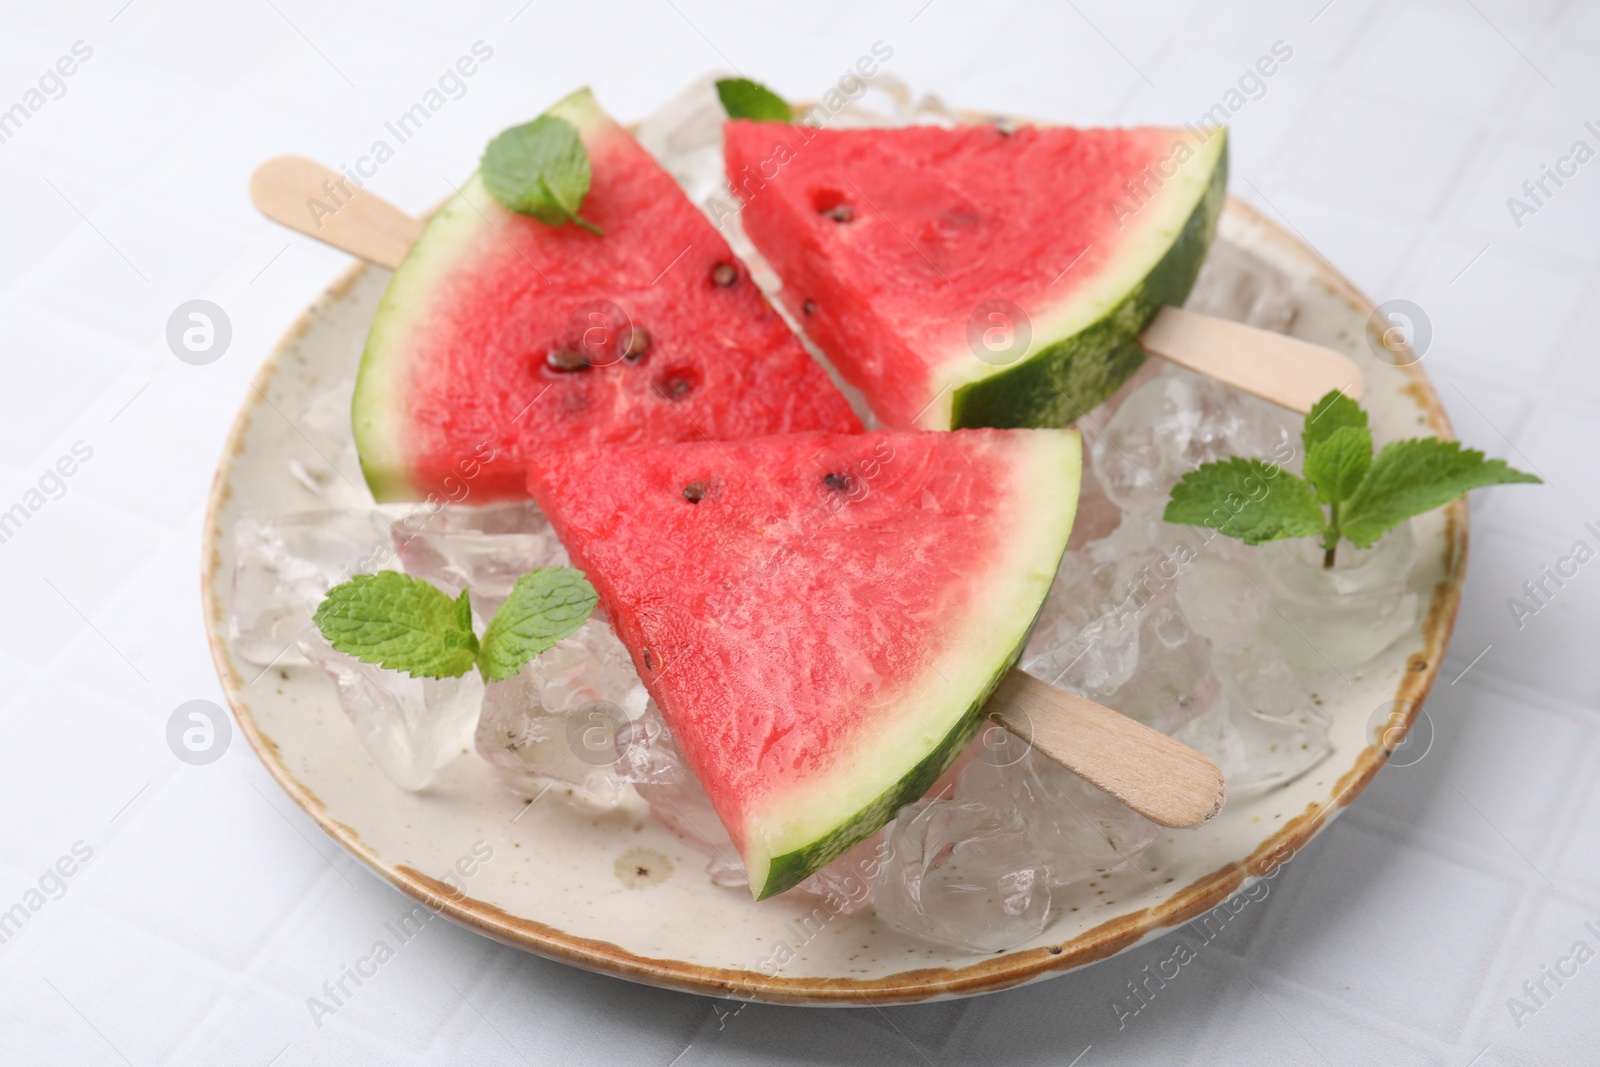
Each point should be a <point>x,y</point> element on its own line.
<point>1332,413</point>
<point>745,99</point>
<point>401,623</point>
<point>545,606</point>
<point>1411,477</point>
<point>540,169</point>
<point>1248,499</point>
<point>1336,464</point>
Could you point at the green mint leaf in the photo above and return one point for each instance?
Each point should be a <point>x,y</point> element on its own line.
<point>1336,464</point>
<point>745,99</point>
<point>1411,477</point>
<point>1248,499</point>
<point>540,169</point>
<point>401,623</point>
<point>1327,416</point>
<point>545,606</point>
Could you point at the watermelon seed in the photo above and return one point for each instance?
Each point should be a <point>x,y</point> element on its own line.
<point>840,482</point>
<point>649,660</point>
<point>724,274</point>
<point>809,307</point>
<point>840,213</point>
<point>637,345</point>
<point>694,492</point>
<point>566,359</point>
<point>676,388</point>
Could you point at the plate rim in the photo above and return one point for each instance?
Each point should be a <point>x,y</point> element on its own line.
<point>985,975</point>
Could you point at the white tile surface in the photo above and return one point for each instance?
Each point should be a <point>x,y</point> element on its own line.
<point>212,909</point>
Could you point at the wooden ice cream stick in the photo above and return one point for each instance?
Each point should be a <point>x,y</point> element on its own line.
<point>311,199</point>
<point>1164,780</point>
<point>1285,370</point>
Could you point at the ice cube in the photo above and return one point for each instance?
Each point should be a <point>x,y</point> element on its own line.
<point>484,549</point>
<point>555,722</point>
<point>649,759</point>
<point>965,874</point>
<point>1097,514</point>
<point>1271,727</point>
<point>1087,636</point>
<point>1114,632</point>
<point>283,566</point>
<point>845,885</point>
<point>1174,423</point>
<point>1173,683</point>
<point>410,727</point>
<point>1079,830</point>
<point>1239,285</point>
<point>323,454</point>
<point>1341,618</point>
<point>1219,590</point>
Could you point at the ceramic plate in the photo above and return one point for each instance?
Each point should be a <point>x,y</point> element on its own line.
<point>617,893</point>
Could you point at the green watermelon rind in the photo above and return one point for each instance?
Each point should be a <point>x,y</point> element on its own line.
<point>1064,381</point>
<point>792,868</point>
<point>378,408</point>
<point>786,869</point>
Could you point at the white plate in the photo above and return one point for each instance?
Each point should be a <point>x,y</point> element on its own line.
<point>570,887</point>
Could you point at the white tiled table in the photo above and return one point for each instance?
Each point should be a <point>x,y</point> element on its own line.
<point>209,908</point>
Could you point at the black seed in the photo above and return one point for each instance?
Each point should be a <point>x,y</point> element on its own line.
<point>694,492</point>
<point>566,359</point>
<point>840,213</point>
<point>675,388</point>
<point>841,482</point>
<point>636,344</point>
<point>724,274</point>
<point>649,661</point>
<point>809,307</point>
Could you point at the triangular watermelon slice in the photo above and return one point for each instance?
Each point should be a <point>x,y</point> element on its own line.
<point>819,616</point>
<point>979,276</point>
<point>462,382</point>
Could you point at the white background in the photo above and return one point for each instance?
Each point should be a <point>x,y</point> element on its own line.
<point>211,908</point>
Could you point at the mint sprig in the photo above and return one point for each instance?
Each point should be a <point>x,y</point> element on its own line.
<point>744,99</point>
<point>1245,498</point>
<point>544,606</point>
<point>1365,496</point>
<point>541,169</point>
<point>406,624</point>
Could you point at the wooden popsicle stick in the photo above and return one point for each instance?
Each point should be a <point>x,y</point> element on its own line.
<point>309,198</point>
<point>1285,370</point>
<point>1164,780</point>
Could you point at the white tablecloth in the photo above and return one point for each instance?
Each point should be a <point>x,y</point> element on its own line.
<point>202,908</point>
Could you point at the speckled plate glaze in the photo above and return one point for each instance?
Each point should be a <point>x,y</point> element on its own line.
<point>618,894</point>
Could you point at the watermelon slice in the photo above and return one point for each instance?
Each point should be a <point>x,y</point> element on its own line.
<point>819,616</point>
<point>979,276</point>
<point>462,381</point>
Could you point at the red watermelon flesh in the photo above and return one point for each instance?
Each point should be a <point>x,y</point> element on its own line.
<point>978,276</point>
<point>819,616</point>
<point>457,394</point>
